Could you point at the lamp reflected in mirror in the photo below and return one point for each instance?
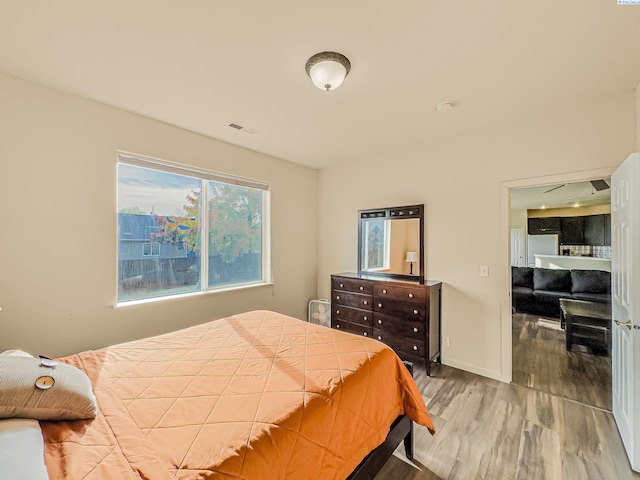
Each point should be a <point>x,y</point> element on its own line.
<point>411,257</point>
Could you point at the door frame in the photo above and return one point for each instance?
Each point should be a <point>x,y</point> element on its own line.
<point>505,246</point>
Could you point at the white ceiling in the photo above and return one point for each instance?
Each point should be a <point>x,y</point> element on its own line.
<point>561,195</point>
<point>202,64</point>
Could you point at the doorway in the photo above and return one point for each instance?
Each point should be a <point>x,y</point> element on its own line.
<point>538,351</point>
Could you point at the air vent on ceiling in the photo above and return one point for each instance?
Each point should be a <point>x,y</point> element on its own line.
<point>599,185</point>
<point>242,128</point>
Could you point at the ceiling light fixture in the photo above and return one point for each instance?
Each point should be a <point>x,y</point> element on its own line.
<point>328,70</point>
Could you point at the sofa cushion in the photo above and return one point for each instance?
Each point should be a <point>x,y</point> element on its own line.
<point>590,281</point>
<point>550,296</point>
<point>551,279</point>
<point>521,294</point>
<point>593,297</point>
<point>522,277</point>
<point>522,291</point>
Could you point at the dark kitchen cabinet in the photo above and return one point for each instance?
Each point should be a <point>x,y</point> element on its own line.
<point>594,229</point>
<point>572,230</point>
<point>597,229</point>
<point>543,225</point>
<point>586,230</point>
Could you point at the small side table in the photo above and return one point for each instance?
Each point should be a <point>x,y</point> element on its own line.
<point>587,323</point>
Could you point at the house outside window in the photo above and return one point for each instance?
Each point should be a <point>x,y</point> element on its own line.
<point>185,230</point>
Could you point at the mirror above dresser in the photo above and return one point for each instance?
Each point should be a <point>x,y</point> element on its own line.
<point>391,242</point>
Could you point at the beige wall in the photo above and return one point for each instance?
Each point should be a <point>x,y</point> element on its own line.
<point>518,218</point>
<point>58,217</point>
<point>461,183</point>
<point>405,237</point>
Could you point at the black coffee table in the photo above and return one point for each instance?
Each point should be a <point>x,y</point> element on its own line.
<point>587,323</point>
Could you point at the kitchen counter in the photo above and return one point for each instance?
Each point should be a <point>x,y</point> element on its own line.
<point>565,262</point>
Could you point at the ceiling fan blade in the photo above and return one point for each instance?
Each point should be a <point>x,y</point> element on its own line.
<point>555,188</point>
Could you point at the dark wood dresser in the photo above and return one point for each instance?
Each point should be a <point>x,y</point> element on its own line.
<point>403,314</point>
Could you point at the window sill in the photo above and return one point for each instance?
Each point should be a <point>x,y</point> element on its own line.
<point>192,294</point>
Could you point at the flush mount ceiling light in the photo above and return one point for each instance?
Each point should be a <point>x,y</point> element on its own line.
<point>328,70</point>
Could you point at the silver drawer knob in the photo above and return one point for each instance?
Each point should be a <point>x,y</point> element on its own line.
<point>379,337</point>
<point>365,318</point>
<point>337,297</point>
<point>379,322</point>
<point>415,329</point>
<point>411,295</point>
<point>379,305</point>
<point>361,288</point>
<point>337,325</point>
<point>365,302</point>
<point>364,333</point>
<point>337,312</point>
<point>416,312</point>
<point>415,347</point>
<point>341,285</point>
<point>384,291</point>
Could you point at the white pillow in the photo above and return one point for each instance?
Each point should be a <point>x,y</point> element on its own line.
<point>21,445</point>
<point>21,450</point>
<point>31,388</point>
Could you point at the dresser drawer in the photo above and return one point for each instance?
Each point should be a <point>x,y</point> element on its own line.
<point>356,300</point>
<point>408,294</point>
<point>400,308</point>
<point>398,326</point>
<point>352,328</point>
<point>399,343</point>
<point>352,285</point>
<point>354,315</point>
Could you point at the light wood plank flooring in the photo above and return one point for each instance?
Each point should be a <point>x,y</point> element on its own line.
<point>541,361</point>
<point>494,431</point>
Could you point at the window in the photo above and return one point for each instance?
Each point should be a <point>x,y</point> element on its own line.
<point>152,249</point>
<point>376,245</point>
<point>184,230</point>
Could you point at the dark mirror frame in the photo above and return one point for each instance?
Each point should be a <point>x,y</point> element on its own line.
<point>393,213</point>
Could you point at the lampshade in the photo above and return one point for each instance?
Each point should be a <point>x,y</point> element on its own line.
<point>328,70</point>
<point>412,257</point>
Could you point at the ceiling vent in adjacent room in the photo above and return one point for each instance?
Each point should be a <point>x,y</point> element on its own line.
<point>599,185</point>
<point>242,128</point>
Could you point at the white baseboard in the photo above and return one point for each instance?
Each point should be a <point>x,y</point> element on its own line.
<point>478,371</point>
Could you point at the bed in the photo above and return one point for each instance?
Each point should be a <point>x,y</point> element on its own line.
<point>258,395</point>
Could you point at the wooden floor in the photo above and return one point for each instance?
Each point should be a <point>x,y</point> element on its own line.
<point>492,430</point>
<point>541,361</point>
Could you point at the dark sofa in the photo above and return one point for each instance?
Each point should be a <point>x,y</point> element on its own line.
<point>539,290</point>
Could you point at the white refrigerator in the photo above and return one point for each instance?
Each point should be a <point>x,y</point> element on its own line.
<point>540,245</point>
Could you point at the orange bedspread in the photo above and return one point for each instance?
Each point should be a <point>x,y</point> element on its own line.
<point>254,396</point>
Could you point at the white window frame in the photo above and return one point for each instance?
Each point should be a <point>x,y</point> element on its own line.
<point>207,175</point>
